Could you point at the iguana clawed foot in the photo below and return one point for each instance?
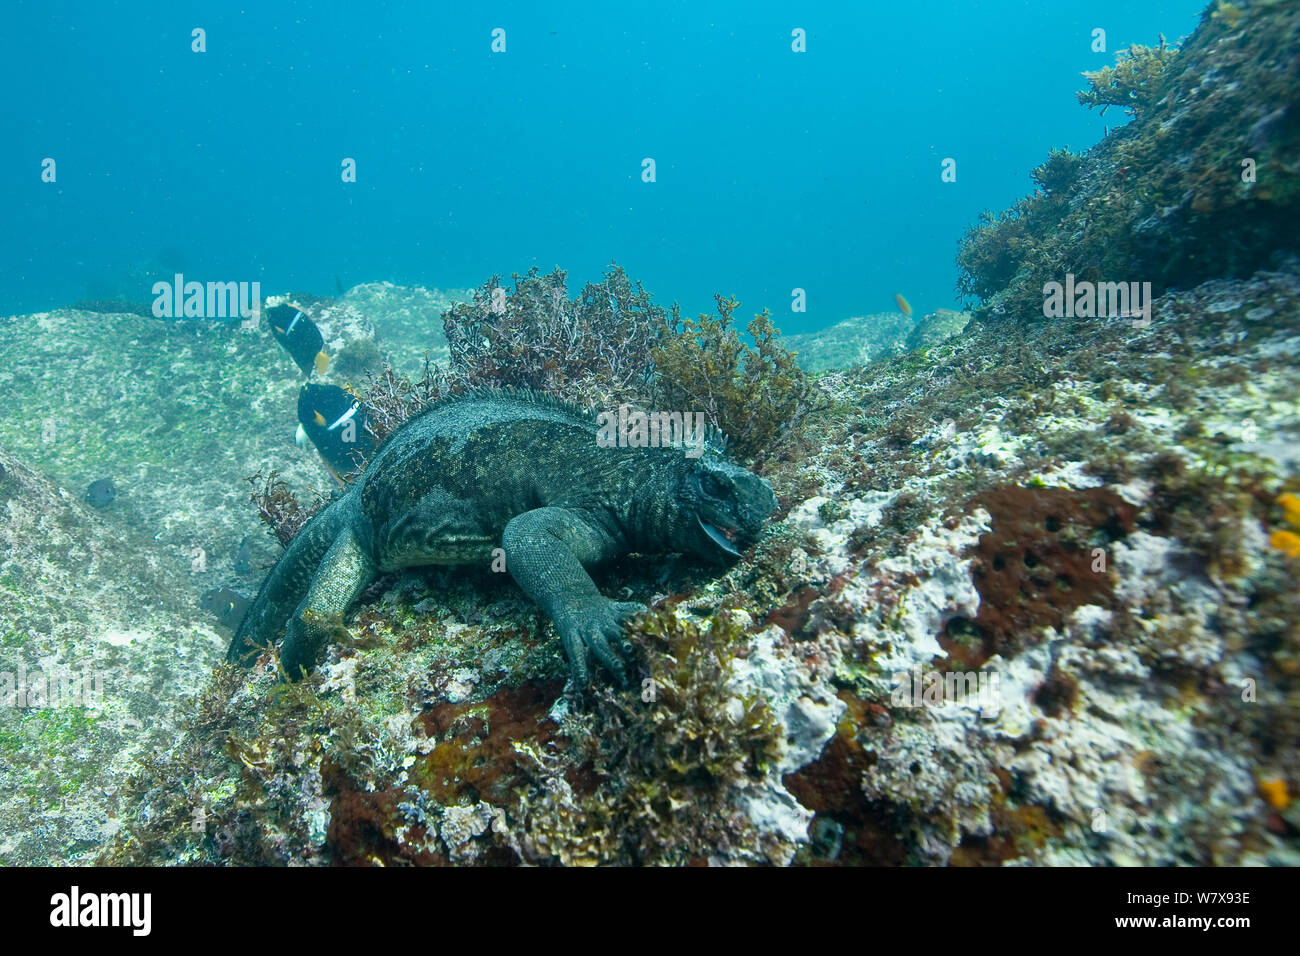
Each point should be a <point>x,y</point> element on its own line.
<point>596,626</point>
<point>305,636</point>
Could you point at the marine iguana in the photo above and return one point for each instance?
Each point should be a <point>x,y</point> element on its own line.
<point>517,470</point>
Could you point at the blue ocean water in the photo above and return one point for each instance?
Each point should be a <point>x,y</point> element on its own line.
<point>774,169</point>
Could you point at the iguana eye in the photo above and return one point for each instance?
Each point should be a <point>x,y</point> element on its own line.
<point>712,485</point>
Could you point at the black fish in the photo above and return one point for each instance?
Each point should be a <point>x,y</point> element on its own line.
<point>101,493</point>
<point>300,337</point>
<point>228,606</point>
<point>335,421</point>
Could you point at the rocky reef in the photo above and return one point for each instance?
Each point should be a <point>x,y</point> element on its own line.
<point>868,338</point>
<point>98,645</point>
<point>1029,597</point>
<point>1080,520</point>
<point>1202,183</point>
<point>110,596</point>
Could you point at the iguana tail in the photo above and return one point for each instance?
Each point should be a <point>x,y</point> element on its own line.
<point>287,584</point>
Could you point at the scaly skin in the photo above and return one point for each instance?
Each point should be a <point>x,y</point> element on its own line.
<point>514,470</point>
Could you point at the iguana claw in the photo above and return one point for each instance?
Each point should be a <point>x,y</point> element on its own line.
<point>598,628</point>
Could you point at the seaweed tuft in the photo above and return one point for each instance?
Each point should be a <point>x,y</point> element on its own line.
<point>594,350</point>
<point>277,506</point>
<point>757,395</point>
<point>1136,81</point>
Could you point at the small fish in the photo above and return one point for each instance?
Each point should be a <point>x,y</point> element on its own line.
<point>250,556</point>
<point>1274,792</point>
<point>101,493</point>
<point>300,337</point>
<point>1288,542</point>
<point>1291,506</point>
<point>334,421</point>
<point>228,606</point>
<point>244,555</point>
<point>903,304</point>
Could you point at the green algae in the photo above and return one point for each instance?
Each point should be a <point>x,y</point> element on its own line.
<point>1135,82</point>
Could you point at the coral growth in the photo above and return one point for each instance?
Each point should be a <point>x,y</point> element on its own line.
<point>1059,175</point>
<point>672,761</point>
<point>391,399</point>
<point>1044,556</point>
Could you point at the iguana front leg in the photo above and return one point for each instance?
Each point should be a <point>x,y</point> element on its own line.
<point>547,552</point>
<point>343,573</point>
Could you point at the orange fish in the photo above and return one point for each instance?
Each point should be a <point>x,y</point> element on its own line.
<point>1291,505</point>
<point>1274,793</point>
<point>903,304</point>
<point>1288,542</point>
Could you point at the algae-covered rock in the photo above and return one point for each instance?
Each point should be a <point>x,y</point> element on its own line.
<point>854,341</point>
<point>407,320</point>
<point>98,646</point>
<point>864,339</point>
<point>935,328</point>
<point>1033,616</point>
<point>1202,183</point>
<point>177,414</point>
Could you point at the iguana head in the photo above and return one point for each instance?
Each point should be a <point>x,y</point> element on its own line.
<point>722,509</point>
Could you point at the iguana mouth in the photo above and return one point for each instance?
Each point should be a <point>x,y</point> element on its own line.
<point>721,537</point>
